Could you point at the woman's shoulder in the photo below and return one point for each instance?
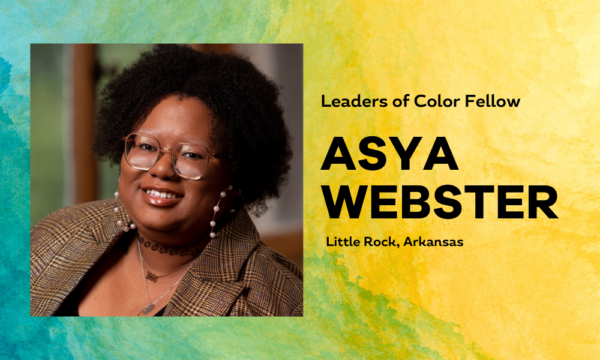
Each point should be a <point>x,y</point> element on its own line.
<point>74,216</point>
<point>270,258</point>
<point>274,283</point>
<point>56,228</point>
<point>88,209</point>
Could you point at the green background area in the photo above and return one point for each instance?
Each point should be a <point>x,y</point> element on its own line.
<point>49,123</point>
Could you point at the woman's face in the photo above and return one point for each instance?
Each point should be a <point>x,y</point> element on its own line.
<point>189,215</point>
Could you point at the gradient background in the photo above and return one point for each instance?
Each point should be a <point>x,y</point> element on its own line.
<point>518,289</point>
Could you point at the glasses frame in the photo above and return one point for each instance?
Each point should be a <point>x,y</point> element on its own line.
<point>160,152</point>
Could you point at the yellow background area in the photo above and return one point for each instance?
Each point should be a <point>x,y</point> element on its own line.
<point>519,289</point>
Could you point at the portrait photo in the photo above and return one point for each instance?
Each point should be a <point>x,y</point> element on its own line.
<point>166,180</point>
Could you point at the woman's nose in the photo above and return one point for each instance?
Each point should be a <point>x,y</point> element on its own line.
<point>163,167</point>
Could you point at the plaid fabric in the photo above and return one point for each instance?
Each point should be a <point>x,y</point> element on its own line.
<point>236,274</point>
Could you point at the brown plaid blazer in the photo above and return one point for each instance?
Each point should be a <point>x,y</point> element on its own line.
<point>236,274</point>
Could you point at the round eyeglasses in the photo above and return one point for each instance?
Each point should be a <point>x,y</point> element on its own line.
<point>190,161</point>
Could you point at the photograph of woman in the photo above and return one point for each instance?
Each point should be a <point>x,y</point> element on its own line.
<point>200,142</point>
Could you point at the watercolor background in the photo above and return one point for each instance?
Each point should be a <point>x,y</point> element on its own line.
<point>518,289</point>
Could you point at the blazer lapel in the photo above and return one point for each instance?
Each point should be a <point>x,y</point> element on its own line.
<point>195,297</point>
<point>209,288</point>
<point>69,265</point>
<point>212,285</point>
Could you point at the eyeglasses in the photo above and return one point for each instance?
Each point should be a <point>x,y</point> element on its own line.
<point>190,161</point>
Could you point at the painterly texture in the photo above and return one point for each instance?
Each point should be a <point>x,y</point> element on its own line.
<point>518,289</point>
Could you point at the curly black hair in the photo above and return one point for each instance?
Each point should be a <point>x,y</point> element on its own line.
<point>248,126</point>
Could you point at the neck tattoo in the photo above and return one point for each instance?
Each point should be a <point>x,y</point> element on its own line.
<point>169,250</point>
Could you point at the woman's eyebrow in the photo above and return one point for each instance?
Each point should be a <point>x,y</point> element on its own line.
<point>155,133</point>
<point>147,131</point>
<point>196,141</point>
<point>193,139</point>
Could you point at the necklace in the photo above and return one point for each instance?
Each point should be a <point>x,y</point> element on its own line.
<point>171,251</point>
<point>146,310</point>
<point>153,277</point>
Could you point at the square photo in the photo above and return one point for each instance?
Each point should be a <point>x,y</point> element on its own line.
<point>166,180</point>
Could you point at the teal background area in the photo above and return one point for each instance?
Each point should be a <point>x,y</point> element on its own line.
<point>23,337</point>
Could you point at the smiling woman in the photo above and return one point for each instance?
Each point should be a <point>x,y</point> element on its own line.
<point>160,205</point>
<point>200,140</point>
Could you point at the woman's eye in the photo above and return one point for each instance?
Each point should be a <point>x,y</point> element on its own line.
<point>147,147</point>
<point>192,156</point>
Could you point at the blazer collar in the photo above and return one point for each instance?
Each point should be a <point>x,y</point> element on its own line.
<point>108,230</point>
<point>213,283</point>
<point>82,249</point>
<point>220,261</point>
<point>209,288</point>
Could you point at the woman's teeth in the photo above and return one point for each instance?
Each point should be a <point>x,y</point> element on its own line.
<point>164,195</point>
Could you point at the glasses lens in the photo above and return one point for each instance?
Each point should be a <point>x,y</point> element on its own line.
<point>141,151</point>
<point>190,160</point>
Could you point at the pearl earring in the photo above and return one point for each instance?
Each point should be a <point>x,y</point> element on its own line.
<point>126,228</point>
<point>216,209</point>
<point>116,209</point>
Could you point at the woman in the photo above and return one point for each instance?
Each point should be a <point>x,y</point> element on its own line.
<point>200,140</point>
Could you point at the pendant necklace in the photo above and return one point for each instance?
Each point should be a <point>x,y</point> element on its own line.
<point>154,278</point>
<point>148,308</point>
